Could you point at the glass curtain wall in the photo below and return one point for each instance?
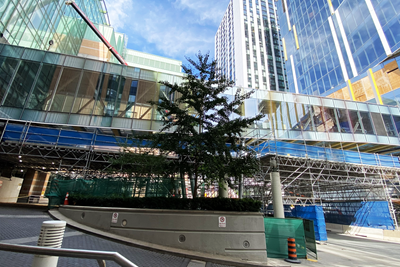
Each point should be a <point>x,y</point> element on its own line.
<point>69,90</point>
<point>54,88</point>
<point>311,118</point>
<point>34,24</point>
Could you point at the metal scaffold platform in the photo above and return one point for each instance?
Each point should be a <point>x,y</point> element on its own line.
<point>307,181</point>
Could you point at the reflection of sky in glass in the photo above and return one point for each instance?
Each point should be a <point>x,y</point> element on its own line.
<point>316,62</point>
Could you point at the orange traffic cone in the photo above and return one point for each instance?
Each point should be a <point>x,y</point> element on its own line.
<point>292,251</point>
<point>66,202</point>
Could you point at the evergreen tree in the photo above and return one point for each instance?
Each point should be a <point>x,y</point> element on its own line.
<point>202,127</point>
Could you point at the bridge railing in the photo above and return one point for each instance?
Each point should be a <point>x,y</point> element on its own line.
<point>100,256</point>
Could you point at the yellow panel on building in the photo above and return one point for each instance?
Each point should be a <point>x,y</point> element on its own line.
<point>359,93</point>
<point>393,73</point>
<point>382,82</point>
<point>341,94</point>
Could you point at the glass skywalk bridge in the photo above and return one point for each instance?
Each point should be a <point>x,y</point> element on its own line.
<point>67,101</point>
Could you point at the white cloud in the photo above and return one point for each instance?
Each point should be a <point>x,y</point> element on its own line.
<point>207,11</point>
<point>118,11</point>
<point>172,36</point>
<point>173,28</point>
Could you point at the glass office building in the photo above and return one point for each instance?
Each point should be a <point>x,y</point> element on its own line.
<point>48,87</point>
<point>329,42</point>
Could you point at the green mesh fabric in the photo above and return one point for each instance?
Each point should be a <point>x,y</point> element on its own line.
<point>135,187</point>
<point>277,231</point>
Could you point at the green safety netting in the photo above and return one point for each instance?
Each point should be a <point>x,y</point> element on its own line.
<point>277,231</point>
<point>133,187</point>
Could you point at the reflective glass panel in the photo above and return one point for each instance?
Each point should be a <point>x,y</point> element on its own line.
<point>7,68</point>
<point>85,97</point>
<point>330,121</point>
<point>343,119</point>
<point>126,99</point>
<point>105,104</point>
<point>318,118</point>
<point>396,120</point>
<point>305,115</point>
<point>65,93</point>
<point>366,121</point>
<point>390,129</point>
<point>355,122</point>
<point>378,122</point>
<point>41,94</point>
<point>22,84</point>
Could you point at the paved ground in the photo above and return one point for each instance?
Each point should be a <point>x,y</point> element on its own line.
<point>22,226</point>
<point>343,250</point>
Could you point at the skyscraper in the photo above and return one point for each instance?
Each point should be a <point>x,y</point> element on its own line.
<point>247,45</point>
<point>330,45</point>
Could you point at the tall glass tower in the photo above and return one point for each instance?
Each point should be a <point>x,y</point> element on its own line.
<point>248,47</point>
<point>329,43</point>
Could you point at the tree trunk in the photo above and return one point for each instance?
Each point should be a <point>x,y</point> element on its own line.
<point>223,189</point>
<point>195,181</point>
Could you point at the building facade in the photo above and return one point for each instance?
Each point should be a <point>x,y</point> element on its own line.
<point>248,47</point>
<point>68,107</point>
<point>56,74</point>
<point>330,45</point>
<point>34,24</point>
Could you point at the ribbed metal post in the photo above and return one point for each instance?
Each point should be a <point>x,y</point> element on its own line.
<point>51,235</point>
<point>276,189</point>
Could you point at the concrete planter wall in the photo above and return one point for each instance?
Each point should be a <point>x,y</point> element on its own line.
<point>240,235</point>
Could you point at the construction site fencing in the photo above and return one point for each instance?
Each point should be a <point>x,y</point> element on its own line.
<point>373,214</point>
<point>277,231</point>
<point>313,213</point>
<point>134,187</point>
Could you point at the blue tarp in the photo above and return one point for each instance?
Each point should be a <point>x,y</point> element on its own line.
<point>43,135</point>
<point>373,214</point>
<point>316,214</point>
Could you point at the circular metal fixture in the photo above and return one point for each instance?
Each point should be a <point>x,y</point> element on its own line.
<point>246,244</point>
<point>182,238</point>
<point>124,222</point>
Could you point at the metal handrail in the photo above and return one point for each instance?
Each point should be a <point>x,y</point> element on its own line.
<point>100,256</point>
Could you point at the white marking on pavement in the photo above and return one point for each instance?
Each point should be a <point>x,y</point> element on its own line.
<point>24,216</point>
<point>194,263</point>
<point>35,238</point>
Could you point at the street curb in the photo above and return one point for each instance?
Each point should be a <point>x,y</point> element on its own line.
<point>163,249</point>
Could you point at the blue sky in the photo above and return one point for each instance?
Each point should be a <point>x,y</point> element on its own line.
<point>169,28</point>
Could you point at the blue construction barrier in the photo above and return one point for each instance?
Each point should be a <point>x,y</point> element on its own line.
<point>71,138</point>
<point>372,214</point>
<point>316,214</point>
<point>325,153</point>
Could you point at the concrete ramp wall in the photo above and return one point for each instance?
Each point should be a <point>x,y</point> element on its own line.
<point>239,235</point>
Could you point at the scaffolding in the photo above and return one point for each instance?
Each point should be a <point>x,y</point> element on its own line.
<point>309,174</point>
